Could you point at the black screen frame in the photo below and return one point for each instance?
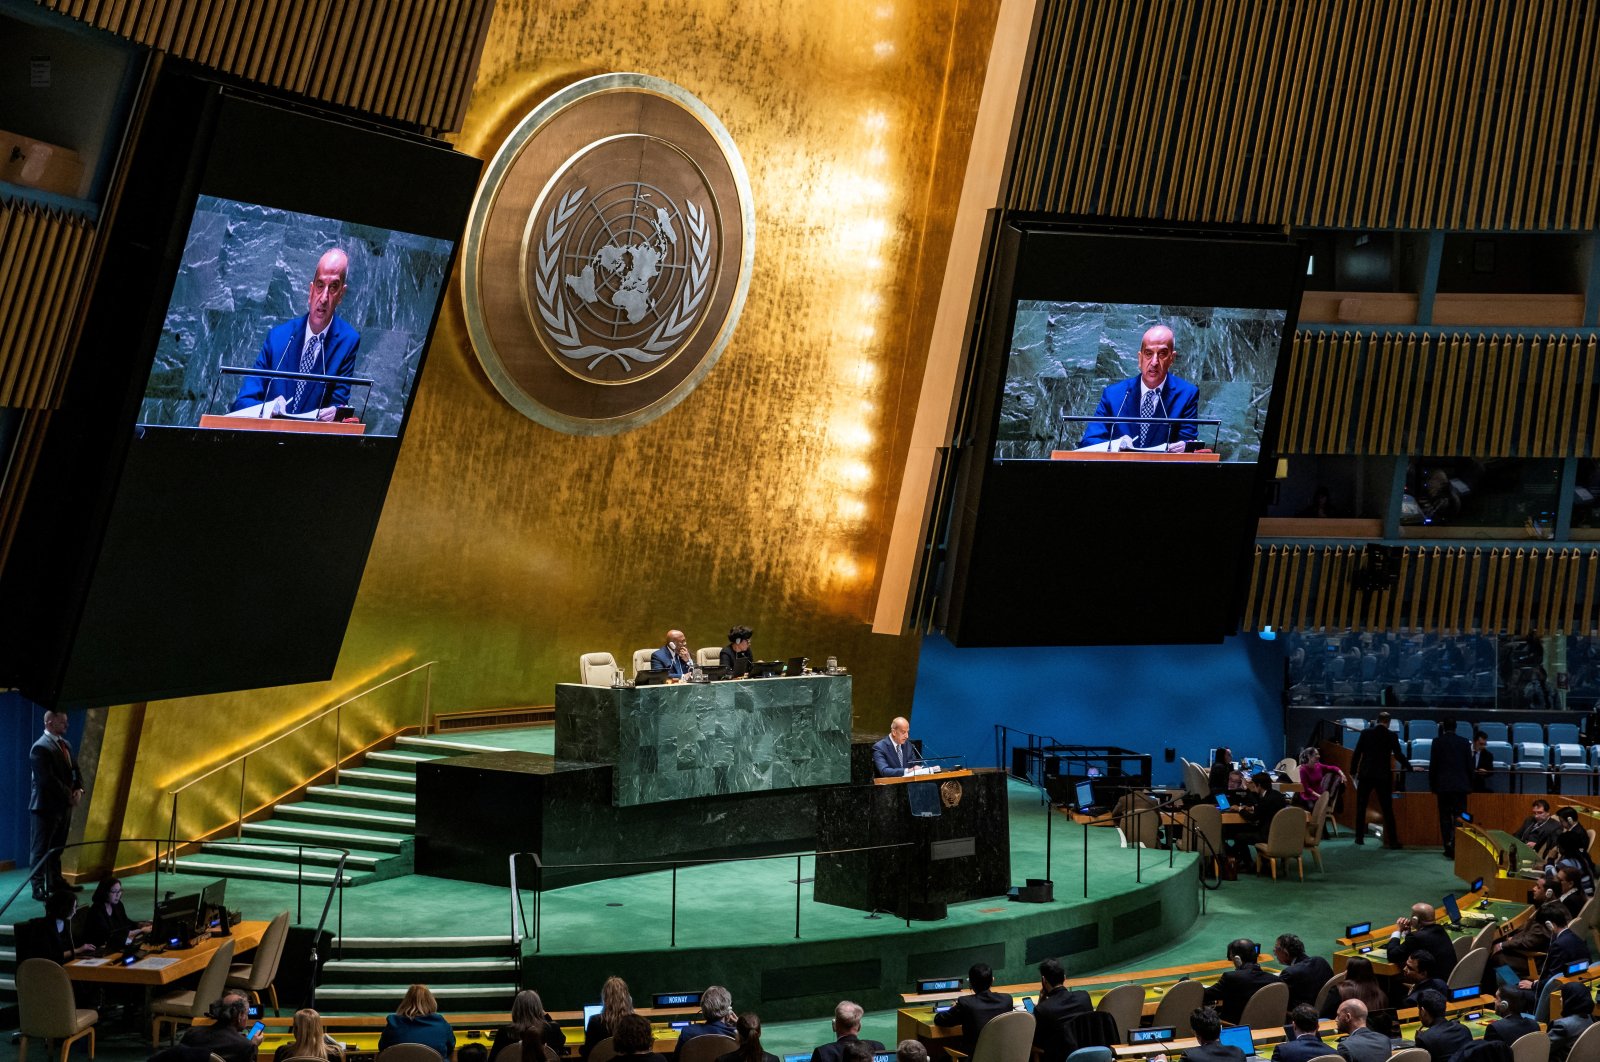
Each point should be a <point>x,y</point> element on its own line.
<point>77,632</point>
<point>1039,552</point>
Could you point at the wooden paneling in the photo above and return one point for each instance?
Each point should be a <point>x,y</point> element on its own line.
<point>1511,590</point>
<point>45,258</point>
<point>1479,395</point>
<point>410,60</point>
<point>1439,114</point>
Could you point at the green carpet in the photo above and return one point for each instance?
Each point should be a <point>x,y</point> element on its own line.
<point>1359,883</point>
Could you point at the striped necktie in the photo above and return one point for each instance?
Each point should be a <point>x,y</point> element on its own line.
<point>308,359</point>
<point>1147,408</point>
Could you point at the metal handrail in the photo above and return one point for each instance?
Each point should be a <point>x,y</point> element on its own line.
<point>243,758</point>
<point>335,885</point>
<point>519,912</point>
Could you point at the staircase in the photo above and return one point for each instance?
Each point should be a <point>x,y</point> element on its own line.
<point>372,812</point>
<point>465,973</point>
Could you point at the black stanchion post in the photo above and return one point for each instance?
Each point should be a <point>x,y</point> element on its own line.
<point>797,876</point>
<point>674,905</point>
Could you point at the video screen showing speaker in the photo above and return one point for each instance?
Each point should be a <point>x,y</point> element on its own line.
<point>1118,431</point>
<point>288,321</point>
<point>1141,380</point>
<point>209,490</point>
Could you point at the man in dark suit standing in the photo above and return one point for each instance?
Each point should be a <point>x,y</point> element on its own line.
<point>57,788</point>
<point>894,755</point>
<point>1482,762</point>
<point>847,1027</point>
<point>1053,1014</point>
<point>1372,764</point>
<point>1235,987</point>
<point>1450,778</point>
<point>973,1012</point>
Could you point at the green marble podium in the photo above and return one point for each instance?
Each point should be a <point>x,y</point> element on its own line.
<point>686,741</point>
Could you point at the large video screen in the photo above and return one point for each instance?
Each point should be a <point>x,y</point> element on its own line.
<point>1118,433</point>
<point>1146,379</point>
<point>287,321</point>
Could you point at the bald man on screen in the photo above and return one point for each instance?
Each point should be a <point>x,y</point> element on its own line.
<point>1154,392</point>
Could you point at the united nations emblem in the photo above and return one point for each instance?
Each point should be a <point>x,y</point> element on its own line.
<point>608,255</point>
<point>950,793</point>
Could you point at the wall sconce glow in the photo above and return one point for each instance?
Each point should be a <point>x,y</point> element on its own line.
<point>876,122</point>
<point>856,474</point>
<point>883,49</point>
<point>883,11</point>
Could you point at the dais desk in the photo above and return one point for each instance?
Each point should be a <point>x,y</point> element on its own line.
<point>186,961</point>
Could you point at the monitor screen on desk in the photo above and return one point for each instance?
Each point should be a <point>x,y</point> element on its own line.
<point>1452,910</point>
<point>1360,929</point>
<point>1085,794</point>
<point>1477,885</point>
<point>591,1011</point>
<point>677,999</point>
<point>926,985</point>
<point>1239,1036</point>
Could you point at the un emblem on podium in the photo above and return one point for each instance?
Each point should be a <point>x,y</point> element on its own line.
<point>608,254</point>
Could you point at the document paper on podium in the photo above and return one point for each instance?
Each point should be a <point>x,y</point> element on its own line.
<point>1120,446</point>
<point>273,410</point>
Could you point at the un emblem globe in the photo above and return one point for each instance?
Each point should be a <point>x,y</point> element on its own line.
<point>625,262</point>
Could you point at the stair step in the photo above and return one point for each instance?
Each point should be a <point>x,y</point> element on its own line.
<point>380,778</point>
<point>369,840</point>
<point>447,746</point>
<point>362,797</point>
<point>420,951</point>
<point>403,759</point>
<point>263,871</point>
<point>356,860</point>
<point>403,971</point>
<point>381,997</point>
<point>345,816</point>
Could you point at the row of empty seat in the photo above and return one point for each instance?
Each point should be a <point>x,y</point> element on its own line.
<point>1510,733</point>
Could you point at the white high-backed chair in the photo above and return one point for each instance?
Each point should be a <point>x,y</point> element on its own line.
<point>596,669</point>
<point>641,660</point>
<point>710,656</point>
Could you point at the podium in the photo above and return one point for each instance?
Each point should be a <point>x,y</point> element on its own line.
<point>961,852</point>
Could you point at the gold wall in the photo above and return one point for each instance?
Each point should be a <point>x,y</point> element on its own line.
<point>506,549</point>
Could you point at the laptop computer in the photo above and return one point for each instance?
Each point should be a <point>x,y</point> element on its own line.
<point>1452,910</point>
<point>1223,803</point>
<point>592,1011</point>
<point>1085,798</point>
<point>654,677</point>
<point>1507,976</point>
<point>1239,1036</point>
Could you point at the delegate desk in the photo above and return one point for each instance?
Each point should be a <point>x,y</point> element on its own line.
<point>1505,864</point>
<point>154,971</point>
<point>359,1033</point>
<point>1482,1006</point>
<point>1506,913</point>
<point>677,742</point>
<point>960,852</point>
<point>915,1019</point>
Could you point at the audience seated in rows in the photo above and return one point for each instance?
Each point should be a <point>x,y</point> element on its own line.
<point>717,1017</point>
<point>417,1021</point>
<point>847,1029</point>
<point>1304,974</point>
<point>1361,1043</point>
<point>634,1039</point>
<point>1515,1007</point>
<point>616,1002</point>
<point>309,1040</point>
<point>1539,829</point>
<point>1207,1027</point>
<point>1420,931</point>
<point>1577,1014</point>
<point>1361,983</point>
<point>225,1036</point>
<point>528,1016</point>
<point>1440,1036</point>
<point>973,1011</point>
<point>910,1051</point>
<point>1566,947</point>
<point>1307,1044</point>
<point>1421,974</point>
<point>748,1033</point>
<point>1054,1013</point>
<point>1235,987</point>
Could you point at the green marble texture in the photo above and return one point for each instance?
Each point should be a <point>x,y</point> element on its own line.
<point>686,741</point>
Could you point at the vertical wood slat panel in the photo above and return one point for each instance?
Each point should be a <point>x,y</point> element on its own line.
<point>1436,114</point>
<point>409,60</point>
<point>44,263</point>
<point>1485,395</point>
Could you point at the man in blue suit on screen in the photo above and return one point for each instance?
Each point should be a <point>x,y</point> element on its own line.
<point>1155,392</point>
<point>317,342</point>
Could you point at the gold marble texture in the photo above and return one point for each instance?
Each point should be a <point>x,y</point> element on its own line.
<point>507,549</point>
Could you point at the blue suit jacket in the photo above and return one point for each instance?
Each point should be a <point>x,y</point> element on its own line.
<point>1302,1048</point>
<point>886,759</point>
<point>1179,398</point>
<point>665,659</point>
<point>280,352</point>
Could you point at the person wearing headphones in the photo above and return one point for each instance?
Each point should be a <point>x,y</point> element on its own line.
<point>674,658</point>
<point>736,655</point>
